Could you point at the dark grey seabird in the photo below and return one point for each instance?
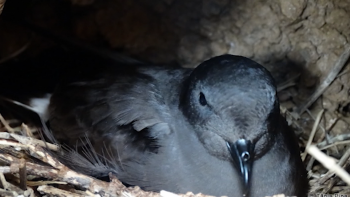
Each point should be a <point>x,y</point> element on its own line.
<point>215,129</point>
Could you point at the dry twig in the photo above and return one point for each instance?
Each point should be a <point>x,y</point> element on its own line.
<point>2,3</point>
<point>15,53</point>
<point>344,138</point>
<point>329,163</point>
<point>327,81</point>
<point>341,162</point>
<point>286,84</point>
<point>56,192</point>
<point>313,132</point>
<point>28,140</point>
<point>6,125</point>
<point>22,174</point>
<point>3,181</point>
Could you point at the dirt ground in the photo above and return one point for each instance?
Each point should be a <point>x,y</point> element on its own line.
<point>299,41</point>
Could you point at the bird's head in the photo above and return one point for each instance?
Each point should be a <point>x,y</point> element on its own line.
<point>231,103</point>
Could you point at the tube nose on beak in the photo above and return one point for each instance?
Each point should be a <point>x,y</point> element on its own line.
<point>242,153</point>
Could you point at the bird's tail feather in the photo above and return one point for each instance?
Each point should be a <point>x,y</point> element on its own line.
<point>87,161</point>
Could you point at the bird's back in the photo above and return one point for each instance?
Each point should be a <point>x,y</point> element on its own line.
<point>115,107</point>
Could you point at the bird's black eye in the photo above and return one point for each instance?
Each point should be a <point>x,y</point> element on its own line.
<point>202,99</point>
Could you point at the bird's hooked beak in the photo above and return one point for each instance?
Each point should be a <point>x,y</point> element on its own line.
<point>242,152</point>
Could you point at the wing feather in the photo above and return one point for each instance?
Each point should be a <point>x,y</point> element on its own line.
<point>107,104</point>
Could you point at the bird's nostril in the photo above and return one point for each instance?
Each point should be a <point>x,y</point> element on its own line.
<point>245,156</point>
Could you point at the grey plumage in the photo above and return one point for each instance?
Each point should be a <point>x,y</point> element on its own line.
<point>162,128</point>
